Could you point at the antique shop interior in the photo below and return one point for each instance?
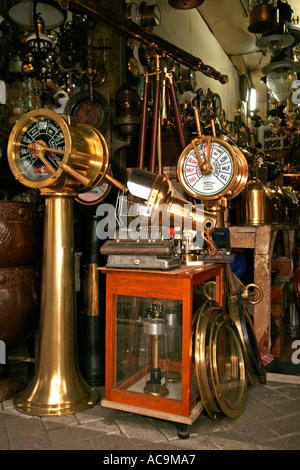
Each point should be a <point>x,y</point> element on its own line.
<point>149,204</point>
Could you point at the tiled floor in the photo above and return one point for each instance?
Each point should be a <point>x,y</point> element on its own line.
<point>271,420</point>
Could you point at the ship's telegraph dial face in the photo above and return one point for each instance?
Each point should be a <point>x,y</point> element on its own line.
<point>210,168</point>
<point>44,132</point>
<point>50,150</point>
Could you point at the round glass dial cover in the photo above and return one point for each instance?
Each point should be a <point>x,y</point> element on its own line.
<point>133,13</point>
<point>157,15</point>
<point>207,185</point>
<point>47,131</point>
<point>96,195</point>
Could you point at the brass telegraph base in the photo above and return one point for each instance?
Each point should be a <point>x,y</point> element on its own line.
<point>42,410</point>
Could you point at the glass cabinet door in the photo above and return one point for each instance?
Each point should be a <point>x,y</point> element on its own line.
<point>149,346</point>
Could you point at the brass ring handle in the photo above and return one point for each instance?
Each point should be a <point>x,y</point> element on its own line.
<point>246,294</point>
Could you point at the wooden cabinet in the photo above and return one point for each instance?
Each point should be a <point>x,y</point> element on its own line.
<point>130,295</point>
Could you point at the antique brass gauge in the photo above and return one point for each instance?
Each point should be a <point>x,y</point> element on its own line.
<point>51,152</point>
<point>209,168</point>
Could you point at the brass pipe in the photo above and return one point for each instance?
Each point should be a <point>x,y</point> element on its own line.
<point>115,182</point>
<point>91,305</point>
<point>159,149</point>
<point>155,344</point>
<point>147,37</point>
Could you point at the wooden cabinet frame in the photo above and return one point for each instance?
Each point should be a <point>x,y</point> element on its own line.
<point>177,284</point>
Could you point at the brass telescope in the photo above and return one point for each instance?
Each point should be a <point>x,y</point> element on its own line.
<point>145,36</point>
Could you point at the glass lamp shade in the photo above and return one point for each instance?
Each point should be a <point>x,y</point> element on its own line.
<point>279,84</point>
<point>21,13</point>
<point>39,47</point>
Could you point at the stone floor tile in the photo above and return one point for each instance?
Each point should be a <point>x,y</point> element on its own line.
<point>112,442</point>
<point>102,425</point>
<point>221,443</point>
<point>288,442</point>
<point>69,436</point>
<point>52,422</point>
<point>139,427</point>
<point>28,434</point>
<point>4,442</point>
<point>288,425</point>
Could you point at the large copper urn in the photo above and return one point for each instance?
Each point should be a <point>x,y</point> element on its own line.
<point>20,252</point>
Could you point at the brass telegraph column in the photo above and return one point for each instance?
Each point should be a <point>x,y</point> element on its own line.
<point>61,158</point>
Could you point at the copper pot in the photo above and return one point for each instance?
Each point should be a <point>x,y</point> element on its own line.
<point>20,235</point>
<point>185,4</point>
<point>19,303</point>
<point>263,18</point>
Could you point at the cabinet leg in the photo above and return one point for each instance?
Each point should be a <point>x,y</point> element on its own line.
<point>182,431</point>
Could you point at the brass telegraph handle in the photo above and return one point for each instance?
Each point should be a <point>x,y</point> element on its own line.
<point>39,147</point>
<point>247,294</point>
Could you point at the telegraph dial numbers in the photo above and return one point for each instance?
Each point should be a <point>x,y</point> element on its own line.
<point>208,184</point>
<point>48,132</point>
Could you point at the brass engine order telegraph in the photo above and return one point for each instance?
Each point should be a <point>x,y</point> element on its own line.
<point>210,169</point>
<point>52,153</point>
<point>213,170</point>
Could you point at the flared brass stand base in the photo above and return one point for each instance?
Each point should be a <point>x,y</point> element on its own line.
<point>42,410</point>
<point>57,387</point>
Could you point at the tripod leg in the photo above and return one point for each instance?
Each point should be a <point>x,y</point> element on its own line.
<point>142,141</point>
<point>156,109</point>
<point>176,110</point>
